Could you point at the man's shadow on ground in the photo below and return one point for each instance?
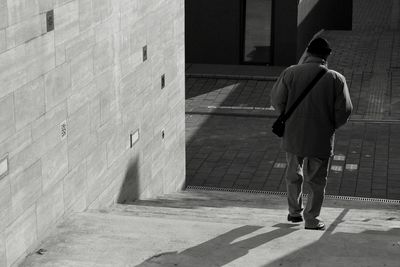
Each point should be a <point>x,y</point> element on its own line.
<point>219,250</point>
<point>331,249</point>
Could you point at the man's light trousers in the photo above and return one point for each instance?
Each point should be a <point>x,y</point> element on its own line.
<point>313,171</point>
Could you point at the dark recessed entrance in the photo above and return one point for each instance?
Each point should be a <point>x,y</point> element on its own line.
<point>257,31</point>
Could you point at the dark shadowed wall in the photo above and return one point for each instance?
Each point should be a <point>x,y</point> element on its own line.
<point>284,32</point>
<point>314,15</point>
<point>212,31</point>
<point>213,28</point>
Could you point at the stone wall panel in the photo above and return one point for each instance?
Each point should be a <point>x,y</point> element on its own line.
<point>21,235</point>
<point>45,5</point>
<point>5,203</point>
<point>50,120</point>
<point>75,185</point>
<point>85,14</point>
<point>55,166</point>
<point>82,69</point>
<point>50,208</point>
<point>26,188</point>
<point>81,141</point>
<point>3,14</point>
<point>66,21</point>
<point>3,260</point>
<point>81,96</point>
<point>103,55</point>
<point>3,41</point>
<point>29,103</point>
<point>18,10</point>
<point>34,151</point>
<point>87,75</point>
<point>24,31</point>
<point>16,143</point>
<point>82,43</point>
<point>57,85</point>
<point>7,121</point>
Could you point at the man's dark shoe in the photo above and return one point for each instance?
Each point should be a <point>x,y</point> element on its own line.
<point>294,219</point>
<point>319,226</point>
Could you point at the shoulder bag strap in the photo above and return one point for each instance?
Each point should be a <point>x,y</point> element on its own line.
<point>304,93</point>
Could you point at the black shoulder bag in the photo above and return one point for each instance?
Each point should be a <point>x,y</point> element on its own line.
<point>278,127</point>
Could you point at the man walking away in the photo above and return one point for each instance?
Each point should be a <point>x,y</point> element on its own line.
<point>309,134</point>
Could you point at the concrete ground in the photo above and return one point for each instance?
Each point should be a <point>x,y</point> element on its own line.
<point>223,229</point>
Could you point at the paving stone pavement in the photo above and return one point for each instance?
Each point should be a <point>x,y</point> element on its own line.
<point>242,152</point>
<point>238,150</point>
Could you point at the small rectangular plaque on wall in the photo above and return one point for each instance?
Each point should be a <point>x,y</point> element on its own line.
<point>50,20</point>
<point>144,53</point>
<point>134,137</point>
<point>163,81</point>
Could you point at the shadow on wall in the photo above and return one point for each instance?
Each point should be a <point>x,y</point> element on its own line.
<point>129,190</point>
<point>220,250</point>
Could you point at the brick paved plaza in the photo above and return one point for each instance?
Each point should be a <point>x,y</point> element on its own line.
<point>229,142</point>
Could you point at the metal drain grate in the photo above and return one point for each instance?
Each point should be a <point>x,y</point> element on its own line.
<point>238,190</point>
<point>273,193</point>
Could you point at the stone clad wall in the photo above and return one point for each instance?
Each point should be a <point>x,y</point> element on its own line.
<point>70,99</point>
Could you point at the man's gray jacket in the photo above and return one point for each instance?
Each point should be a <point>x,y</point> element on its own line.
<point>311,128</point>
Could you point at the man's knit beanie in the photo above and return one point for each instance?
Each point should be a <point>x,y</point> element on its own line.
<point>319,46</point>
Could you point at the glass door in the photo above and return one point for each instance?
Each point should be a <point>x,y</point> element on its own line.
<point>257,31</point>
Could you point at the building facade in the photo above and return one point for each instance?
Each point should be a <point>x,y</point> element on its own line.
<point>91,110</point>
<point>273,32</point>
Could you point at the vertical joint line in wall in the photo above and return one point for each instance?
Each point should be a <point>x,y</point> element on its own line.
<point>388,160</point>
<point>390,89</point>
<point>392,50</point>
<point>5,247</point>
<point>55,47</point>
<point>36,224</point>
<point>373,164</point>
<point>86,182</point>
<point>67,137</point>
<point>92,52</point>
<point>15,113</point>
<point>44,88</point>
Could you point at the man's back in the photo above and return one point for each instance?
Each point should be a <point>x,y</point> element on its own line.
<point>310,129</point>
<point>309,133</point>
